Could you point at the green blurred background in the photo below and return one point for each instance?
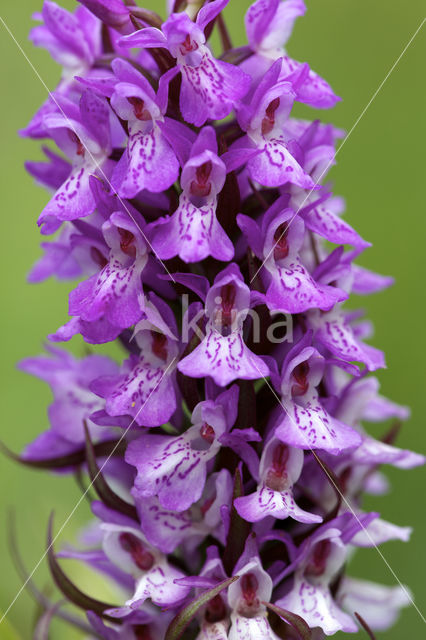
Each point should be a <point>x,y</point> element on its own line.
<point>380,171</point>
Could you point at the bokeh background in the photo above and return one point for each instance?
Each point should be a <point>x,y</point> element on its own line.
<point>381,173</point>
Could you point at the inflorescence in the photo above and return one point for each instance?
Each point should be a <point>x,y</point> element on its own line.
<point>227,449</point>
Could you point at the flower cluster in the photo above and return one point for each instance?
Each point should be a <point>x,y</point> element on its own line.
<point>229,456</point>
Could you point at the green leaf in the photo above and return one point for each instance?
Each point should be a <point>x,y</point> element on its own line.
<point>295,621</point>
<point>184,617</point>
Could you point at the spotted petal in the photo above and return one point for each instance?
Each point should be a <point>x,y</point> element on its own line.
<point>210,89</point>
<point>224,358</point>
<point>274,165</point>
<point>144,391</point>
<point>293,290</point>
<point>74,199</point>
<point>311,427</point>
<point>324,220</point>
<point>338,336</point>
<point>193,233</point>
<point>170,468</point>
<point>256,628</point>
<point>114,292</point>
<point>316,606</point>
<point>266,502</point>
<point>149,162</point>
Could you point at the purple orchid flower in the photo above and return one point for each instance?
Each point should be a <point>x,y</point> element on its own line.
<point>270,148</point>
<point>222,354</point>
<point>214,616</point>
<point>174,468</point>
<point>269,24</point>
<point>115,292</point>
<point>74,42</point>
<point>320,210</point>
<point>168,529</point>
<point>249,615</point>
<point>150,160</point>
<point>83,134</point>
<point>58,259</point>
<point>335,333</point>
<point>280,468</point>
<point>145,389</point>
<point>247,597</point>
<point>320,560</point>
<point>333,329</point>
<point>154,576</point>
<point>379,605</point>
<point>138,625</point>
<point>210,88</point>
<point>302,421</point>
<point>69,380</point>
<point>193,231</point>
<point>240,613</point>
<point>290,286</point>
<point>74,252</point>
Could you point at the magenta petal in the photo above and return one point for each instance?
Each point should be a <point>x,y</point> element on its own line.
<point>146,393</point>
<point>74,199</point>
<point>170,468</point>
<point>193,233</point>
<point>266,502</point>
<point>311,427</point>
<point>148,163</point>
<point>293,290</point>
<point>225,359</point>
<point>210,90</point>
<point>275,165</point>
